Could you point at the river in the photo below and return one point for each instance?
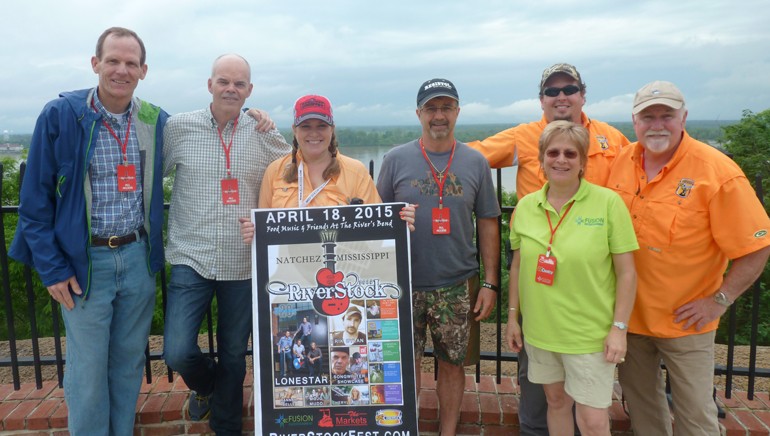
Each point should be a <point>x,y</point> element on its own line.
<point>376,153</point>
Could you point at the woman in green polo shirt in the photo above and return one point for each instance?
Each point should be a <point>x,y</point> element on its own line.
<point>573,279</point>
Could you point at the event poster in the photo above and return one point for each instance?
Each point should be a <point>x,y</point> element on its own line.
<point>333,345</point>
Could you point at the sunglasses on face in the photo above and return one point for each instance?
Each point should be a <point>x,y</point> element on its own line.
<point>569,154</point>
<point>567,90</point>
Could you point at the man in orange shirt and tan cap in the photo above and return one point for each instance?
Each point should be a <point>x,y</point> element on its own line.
<point>693,211</point>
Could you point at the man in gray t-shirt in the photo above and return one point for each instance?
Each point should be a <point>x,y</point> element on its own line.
<point>451,183</point>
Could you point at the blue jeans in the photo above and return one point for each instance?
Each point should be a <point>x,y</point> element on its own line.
<point>306,340</point>
<point>284,361</point>
<point>189,297</point>
<point>106,338</point>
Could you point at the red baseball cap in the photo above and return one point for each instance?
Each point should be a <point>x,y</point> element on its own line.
<point>313,106</point>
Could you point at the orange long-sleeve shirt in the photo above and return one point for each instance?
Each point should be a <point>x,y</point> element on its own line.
<point>521,143</point>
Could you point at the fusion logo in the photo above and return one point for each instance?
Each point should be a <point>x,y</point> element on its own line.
<point>294,420</point>
<point>589,222</point>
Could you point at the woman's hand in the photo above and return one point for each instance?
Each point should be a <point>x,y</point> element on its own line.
<point>247,230</point>
<point>513,334</point>
<point>407,214</point>
<point>615,346</point>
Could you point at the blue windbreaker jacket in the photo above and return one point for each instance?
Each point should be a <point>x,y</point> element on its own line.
<point>54,230</point>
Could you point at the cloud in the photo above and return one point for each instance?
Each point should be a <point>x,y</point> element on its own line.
<point>369,57</point>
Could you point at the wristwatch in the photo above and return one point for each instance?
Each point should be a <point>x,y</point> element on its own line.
<point>721,298</point>
<point>620,325</point>
<point>490,286</point>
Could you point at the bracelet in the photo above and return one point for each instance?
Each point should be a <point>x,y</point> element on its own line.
<point>490,286</point>
<point>511,309</point>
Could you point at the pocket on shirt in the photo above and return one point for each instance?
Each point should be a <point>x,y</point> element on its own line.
<point>691,226</point>
<point>659,226</point>
<point>284,195</point>
<point>333,197</point>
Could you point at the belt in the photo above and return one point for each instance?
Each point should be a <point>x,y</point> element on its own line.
<point>117,241</point>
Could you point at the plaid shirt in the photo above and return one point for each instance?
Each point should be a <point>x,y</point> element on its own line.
<point>203,233</point>
<point>114,213</point>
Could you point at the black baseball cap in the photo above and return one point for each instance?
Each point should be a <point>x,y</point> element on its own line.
<point>436,88</point>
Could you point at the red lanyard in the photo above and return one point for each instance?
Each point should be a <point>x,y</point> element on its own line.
<point>553,230</point>
<point>439,177</point>
<point>124,144</point>
<point>227,147</point>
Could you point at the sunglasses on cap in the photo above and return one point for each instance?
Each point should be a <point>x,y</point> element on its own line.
<point>567,90</point>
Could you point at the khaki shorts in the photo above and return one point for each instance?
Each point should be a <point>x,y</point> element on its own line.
<point>588,378</point>
<point>447,311</point>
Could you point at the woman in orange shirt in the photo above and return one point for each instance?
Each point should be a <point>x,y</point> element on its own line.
<point>316,173</point>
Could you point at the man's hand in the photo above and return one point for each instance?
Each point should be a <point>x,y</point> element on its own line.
<point>699,312</point>
<point>61,292</point>
<point>247,230</point>
<point>485,302</point>
<point>264,123</point>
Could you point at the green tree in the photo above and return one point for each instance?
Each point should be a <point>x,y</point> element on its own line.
<point>749,143</point>
<point>509,199</point>
<point>16,271</point>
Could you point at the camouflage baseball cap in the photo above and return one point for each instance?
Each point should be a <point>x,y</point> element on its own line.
<point>567,69</point>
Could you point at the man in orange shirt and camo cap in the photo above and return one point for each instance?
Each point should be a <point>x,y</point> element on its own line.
<point>693,211</point>
<point>562,96</point>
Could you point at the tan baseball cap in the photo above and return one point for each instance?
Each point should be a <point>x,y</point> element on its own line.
<point>658,92</point>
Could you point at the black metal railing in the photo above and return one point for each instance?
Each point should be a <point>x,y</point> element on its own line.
<point>14,361</point>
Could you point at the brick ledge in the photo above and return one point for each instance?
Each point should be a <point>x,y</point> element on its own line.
<point>487,409</point>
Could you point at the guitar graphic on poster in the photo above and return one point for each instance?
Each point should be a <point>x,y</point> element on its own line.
<point>328,277</point>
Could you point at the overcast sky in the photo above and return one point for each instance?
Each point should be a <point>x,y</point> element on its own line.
<point>370,57</point>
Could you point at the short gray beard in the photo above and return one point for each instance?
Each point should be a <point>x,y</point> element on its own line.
<point>439,135</point>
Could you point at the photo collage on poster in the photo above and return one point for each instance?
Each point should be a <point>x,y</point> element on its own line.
<point>351,359</point>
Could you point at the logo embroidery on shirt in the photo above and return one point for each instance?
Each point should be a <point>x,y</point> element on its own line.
<point>760,233</point>
<point>684,187</point>
<point>603,142</point>
<point>591,222</point>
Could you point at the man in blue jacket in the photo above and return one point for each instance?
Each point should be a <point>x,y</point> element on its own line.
<point>90,223</point>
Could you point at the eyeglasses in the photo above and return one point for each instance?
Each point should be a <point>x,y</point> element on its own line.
<point>433,110</point>
<point>567,90</point>
<point>569,154</point>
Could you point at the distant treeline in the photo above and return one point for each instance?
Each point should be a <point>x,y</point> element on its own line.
<point>707,131</point>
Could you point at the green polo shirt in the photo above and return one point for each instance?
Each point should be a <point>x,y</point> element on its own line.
<point>574,315</point>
